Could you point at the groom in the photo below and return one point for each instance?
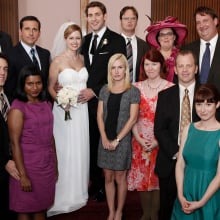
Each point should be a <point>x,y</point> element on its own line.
<point>96,62</point>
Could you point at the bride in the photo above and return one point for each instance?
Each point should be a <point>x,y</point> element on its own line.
<point>71,136</point>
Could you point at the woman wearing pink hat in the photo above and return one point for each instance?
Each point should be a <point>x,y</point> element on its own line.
<point>167,36</point>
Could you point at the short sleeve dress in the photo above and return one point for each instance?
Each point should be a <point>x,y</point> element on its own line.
<point>119,159</point>
<point>38,156</point>
<point>141,176</point>
<point>201,155</point>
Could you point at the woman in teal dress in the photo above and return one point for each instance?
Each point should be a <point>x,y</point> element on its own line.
<point>198,164</point>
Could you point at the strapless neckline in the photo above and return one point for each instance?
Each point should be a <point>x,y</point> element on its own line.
<point>72,69</point>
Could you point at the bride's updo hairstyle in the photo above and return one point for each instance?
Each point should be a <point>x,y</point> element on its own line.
<point>70,29</point>
<point>207,92</point>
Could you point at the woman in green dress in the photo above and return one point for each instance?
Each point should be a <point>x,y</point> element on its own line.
<point>198,164</point>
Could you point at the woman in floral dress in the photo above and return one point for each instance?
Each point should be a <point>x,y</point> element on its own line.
<point>141,177</point>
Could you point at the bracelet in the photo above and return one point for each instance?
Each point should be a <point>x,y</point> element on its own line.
<point>117,139</point>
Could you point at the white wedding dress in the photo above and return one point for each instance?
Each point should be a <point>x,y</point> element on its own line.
<point>72,146</point>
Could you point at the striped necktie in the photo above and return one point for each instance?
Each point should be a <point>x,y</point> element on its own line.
<point>130,57</point>
<point>34,59</point>
<point>4,106</point>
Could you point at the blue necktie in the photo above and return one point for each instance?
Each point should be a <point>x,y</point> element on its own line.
<point>34,59</point>
<point>205,67</point>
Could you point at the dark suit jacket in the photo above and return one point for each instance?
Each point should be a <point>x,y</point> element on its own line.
<point>142,48</point>
<point>4,146</point>
<point>214,76</point>
<point>98,69</point>
<point>5,42</point>
<point>18,58</point>
<point>166,129</point>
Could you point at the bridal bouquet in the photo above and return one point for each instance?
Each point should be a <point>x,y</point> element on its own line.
<point>67,96</point>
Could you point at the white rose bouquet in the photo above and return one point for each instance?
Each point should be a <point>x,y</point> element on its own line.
<point>66,97</point>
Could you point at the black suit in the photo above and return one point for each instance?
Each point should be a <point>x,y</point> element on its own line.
<point>5,42</point>
<point>18,58</point>
<point>166,129</point>
<point>97,78</point>
<point>214,76</point>
<point>4,176</point>
<point>142,48</point>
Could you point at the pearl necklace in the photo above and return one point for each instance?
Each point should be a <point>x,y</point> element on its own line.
<point>154,88</point>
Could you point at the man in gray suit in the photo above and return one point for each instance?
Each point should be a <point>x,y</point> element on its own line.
<point>129,19</point>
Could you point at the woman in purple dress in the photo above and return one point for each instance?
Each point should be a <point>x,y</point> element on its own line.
<point>30,123</point>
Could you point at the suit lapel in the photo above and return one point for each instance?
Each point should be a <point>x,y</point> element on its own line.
<point>215,61</point>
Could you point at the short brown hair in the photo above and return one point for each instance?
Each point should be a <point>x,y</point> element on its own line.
<point>96,4</point>
<point>123,10</point>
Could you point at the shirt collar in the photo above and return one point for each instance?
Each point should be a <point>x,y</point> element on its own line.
<point>27,47</point>
<point>190,88</point>
<point>213,41</point>
<point>100,33</point>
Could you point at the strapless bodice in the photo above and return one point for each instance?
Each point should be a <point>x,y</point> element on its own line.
<point>71,77</point>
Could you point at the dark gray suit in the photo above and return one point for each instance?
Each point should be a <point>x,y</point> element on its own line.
<point>5,42</point>
<point>97,78</point>
<point>4,176</point>
<point>166,130</point>
<point>18,58</point>
<point>142,48</point>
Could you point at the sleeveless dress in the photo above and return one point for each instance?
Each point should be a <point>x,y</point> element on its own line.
<point>201,155</point>
<point>141,176</point>
<point>38,156</point>
<point>72,146</point>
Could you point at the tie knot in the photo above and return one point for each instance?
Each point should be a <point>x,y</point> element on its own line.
<point>129,39</point>
<point>186,91</point>
<point>207,44</point>
<point>32,51</point>
<point>95,36</point>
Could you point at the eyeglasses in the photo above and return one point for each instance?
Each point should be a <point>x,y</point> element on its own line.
<point>168,34</point>
<point>129,18</point>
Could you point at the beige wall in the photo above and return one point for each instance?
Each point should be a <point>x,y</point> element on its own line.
<point>52,13</point>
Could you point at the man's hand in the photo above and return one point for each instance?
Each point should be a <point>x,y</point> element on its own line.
<point>85,95</point>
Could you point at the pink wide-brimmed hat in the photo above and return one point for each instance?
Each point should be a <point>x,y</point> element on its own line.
<point>169,22</point>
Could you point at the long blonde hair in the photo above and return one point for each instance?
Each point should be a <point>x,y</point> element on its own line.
<point>123,59</point>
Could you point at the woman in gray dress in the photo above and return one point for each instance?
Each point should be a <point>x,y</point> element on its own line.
<point>117,113</point>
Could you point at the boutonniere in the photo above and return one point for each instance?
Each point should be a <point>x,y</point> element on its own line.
<point>104,42</point>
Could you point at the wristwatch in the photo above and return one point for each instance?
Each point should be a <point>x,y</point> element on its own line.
<point>117,139</point>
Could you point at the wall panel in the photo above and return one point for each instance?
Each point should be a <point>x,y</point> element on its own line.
<point>183,10</point>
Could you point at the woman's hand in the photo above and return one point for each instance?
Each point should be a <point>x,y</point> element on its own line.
<point>106,144</point>
<point>184,204</point>
<point>148,144</point>
<point>114,144</point>
<point>192,206</point>
<point>25,183</point>
<point>12,169</point>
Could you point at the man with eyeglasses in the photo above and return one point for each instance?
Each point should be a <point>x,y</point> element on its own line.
<point>129,18</point>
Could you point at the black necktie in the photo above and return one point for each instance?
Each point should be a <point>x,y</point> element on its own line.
<point>34,59</point>
<point>4,106</point>
<point>130,57</point>
<point>205,66</point>
<point>94,44</point>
